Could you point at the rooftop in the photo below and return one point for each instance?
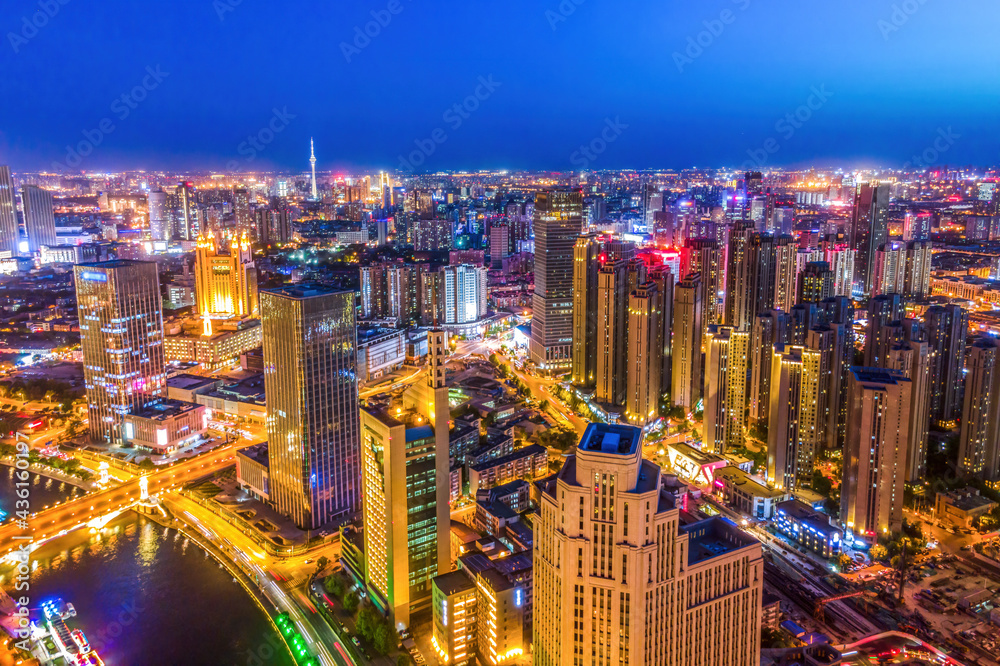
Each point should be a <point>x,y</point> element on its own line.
<point>739,478</point>
<point>615,439</point>
<point>714,537</point>
<point>187,382</point>
<point>805,514</point>
<point>303,291</point>
<point>454,582</point>
<point>967,499</point>
<point>164,409</point>
<point>878,375</point>
<point>257,453</point>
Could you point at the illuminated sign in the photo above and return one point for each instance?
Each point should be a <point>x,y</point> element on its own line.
<point>93,276</point>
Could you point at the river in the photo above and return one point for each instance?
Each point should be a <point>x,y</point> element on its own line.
<point>145,595</point>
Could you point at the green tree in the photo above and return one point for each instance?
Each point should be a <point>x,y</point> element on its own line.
<point>544,405</point>
<point>147,463</point>
<point>403,660</point>
<point>334,585</point>
<point>844,561</point>
<point>383,641</point>
<point>351,602</point>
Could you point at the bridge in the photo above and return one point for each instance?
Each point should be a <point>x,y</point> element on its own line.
<point>97,509</point>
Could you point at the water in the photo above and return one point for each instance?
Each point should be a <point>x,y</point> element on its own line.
<point>147,596</point>
<point>44,491</point>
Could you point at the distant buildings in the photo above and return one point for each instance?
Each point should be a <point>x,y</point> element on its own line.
<point>979,445</point>
<point>869,231</point>
<point>9,234</point>
<point>39,217</point>
<point>121,336</point>
<point>312,403</point>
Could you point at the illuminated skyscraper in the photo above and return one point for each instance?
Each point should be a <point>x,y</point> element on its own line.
<point>612,332</point>
<point>946,327</point>
<point>241,211</point>
<point>769,329</point>
<point>586,254</point>
<point>686,375</point>
<point>159,227</point>
<point>644,360</point>
<point>724,421</point>
<point>979,446</point>
<point>9,234</point>
<point>558,222</point>
<point>121,336</point>
<point>869,231</point>
<point>39,217</point>
<point>704,257</point>
<point>878,433</point>
<point>226,284</point>
<point>612,552</point>
<point>913,359</point>
<point>311,384</point>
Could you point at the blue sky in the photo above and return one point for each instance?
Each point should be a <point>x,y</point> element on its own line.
<point>892,75</point>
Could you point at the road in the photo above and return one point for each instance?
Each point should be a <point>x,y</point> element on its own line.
<point>74,513</point>
<point>282,580</point>
<point>385,388</point>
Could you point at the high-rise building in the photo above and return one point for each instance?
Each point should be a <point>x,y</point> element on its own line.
<point>241,211</point>
<point>815,282</point>
<point>841,259</point>
<point>739,276</point>
<point>399,512</point>
<point>686,375</point>
<point>769,329</point>
<point>979,446</point>
<point>499,244</point>
<point>314,192</point>
<point>884,311</point>
<point>706,259</point>
<point>878,433</point>
<point>786,273</point>
<point>225,284</point>
<point>917,272</point>
<point>612,332</point>
<point>464,293</point>
<point>869,231</point>
<point>645,355</point>
<point>786,468</point>
<point>189,219</point>
<point>311,387</point>
<point>913,359</point>
<point>558,222</point>
<point>612,549</point>
<point>946,327</point>
<point>391,290</point>
<point>9,234</point>
<point>890,269</point>
<point>724,420</point>
<point>39,217</point>
<point>586,254</point>
<point>121,336</point>
<point>159,226</point>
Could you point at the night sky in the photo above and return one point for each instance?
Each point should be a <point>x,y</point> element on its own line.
<point>668,83</point>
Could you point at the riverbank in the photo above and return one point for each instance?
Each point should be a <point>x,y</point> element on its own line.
<point>50,473</point>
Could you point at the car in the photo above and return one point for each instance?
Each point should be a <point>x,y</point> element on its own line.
<point>354,639</point>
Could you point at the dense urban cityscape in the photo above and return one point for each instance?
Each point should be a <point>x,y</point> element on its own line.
<point>454,334</point>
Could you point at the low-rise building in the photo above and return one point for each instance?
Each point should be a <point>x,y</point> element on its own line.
<point>253,471</point>
<point>454,603</point>
<point>165,425</point>
<point>737,489</point>
<point>214,349</point>
<point>962,507</point>
<point>693,464</point>
<point>528,463</point>
<point>380,351</point>
<point>808,527</point>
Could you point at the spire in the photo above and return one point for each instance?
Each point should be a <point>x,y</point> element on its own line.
<point>312,163</point>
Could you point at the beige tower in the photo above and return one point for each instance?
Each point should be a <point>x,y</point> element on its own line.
<point>439,413</point>
<point>622,576</point>
<point>645,355</point>
<point>612,327</point>
<point>225,284</point>
<point>685,376</point>
<point>725,388</point>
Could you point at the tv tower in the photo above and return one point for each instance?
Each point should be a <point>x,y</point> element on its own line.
<point>312,163</point>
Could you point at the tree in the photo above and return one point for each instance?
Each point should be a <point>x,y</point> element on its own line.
<point>878,552</point>
<point>147,463</point>
<point>544,405</point>
<point>351,602</point>
<point>844,561</point>
<point>383,640</point>
<point>322,562</point>
<point>333,585</point>
<point>403,660</point>
<point>821,483</point>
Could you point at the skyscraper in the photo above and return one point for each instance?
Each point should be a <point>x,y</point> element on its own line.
<point>979,446</point>
<point>645,355</point>
<point>724,420</point>
<point>913,359</point>
<point>769,329</point>
<point>464,293</point>
<point>241,211</point>
<point>311,384</point>
<point>815,282</point>
<point>946,327</point>
<point>869,231</point>
<point>189,221</point>
<point>558,222</point>
<point>121,336</point>
<point>878,432</point>
<point>159,227</point>
<point>9,234</point>
<point>686,375</point>
<point>704,257</point>
<point>612,332</point>
<point>786,468</point>
<point>611,552</point>
<point>586,253</point>
<point>225,284</point>
<point>739,276</point>
<point>39,217</point>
